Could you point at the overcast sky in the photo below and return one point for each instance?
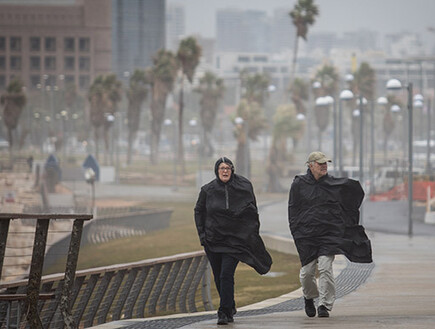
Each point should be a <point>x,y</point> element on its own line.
<point>386,16</point>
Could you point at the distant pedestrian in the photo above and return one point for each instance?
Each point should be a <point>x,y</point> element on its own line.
<point>323,213</point>
<point>226,217</point>
<point>30,163</point>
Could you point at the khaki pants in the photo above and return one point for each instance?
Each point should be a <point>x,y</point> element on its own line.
<point>325,290</point>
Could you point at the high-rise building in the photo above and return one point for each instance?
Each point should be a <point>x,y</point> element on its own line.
<point>253,31</point>
<point>51,45</point>
<point>175,25</point>
<point>138,32</point>
<point>229,24</point>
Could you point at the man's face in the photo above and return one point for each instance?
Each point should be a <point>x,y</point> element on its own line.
<point>319,169</point>
<point>224,171</point>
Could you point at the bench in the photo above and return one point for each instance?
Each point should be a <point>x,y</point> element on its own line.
<point>10,298</point>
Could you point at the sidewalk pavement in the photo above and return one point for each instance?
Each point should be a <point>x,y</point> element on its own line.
<point>399,293</point>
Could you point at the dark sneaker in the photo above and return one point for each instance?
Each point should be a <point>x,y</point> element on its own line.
<point>310,310</point>
<point>222,318</point>
<point>322,312</point>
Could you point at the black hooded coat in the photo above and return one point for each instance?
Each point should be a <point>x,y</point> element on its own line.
<point>226,218</point>
<point>324,218</point>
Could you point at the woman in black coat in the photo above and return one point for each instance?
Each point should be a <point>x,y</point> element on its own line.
<point>226,218</point>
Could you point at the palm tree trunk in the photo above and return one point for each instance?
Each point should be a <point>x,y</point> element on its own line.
<point>273,171</point>
<point>155,140</point>
<point>10,138</point>
<point>241,158</point>
<point>106,145</point>
<point>295,54</point>
<point>96,138</point>
<point>129,147</point>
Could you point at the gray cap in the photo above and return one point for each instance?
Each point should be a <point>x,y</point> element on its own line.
<point>318,157</point>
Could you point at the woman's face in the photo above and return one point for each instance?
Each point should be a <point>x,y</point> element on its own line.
<point>224,172</point>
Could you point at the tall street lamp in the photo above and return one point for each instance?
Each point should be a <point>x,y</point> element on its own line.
<point>418,102</point>
<point>194,123</point>
<point>244,124</point>
<point>168,123</point>
<point>322,104</point>
<point>361,102</point>
<point>345,95</point>
<point>394,84</point>
<point>330,101</point>
<point>429,143</point>
<point>314,87</point>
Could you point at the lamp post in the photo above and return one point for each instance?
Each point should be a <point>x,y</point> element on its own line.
<point>345,95</point>
<point>168,123</point>
<point>394,84</point>
<point>418,102</point>
<point>321,103</point>
<point>110,120</point>
<point>359,113</point>
<point>316,85</point>
<point>194,123</point>
<point>361,102</point>
<point>330,101</point>
<point>381,102</point>
<point>429,141</point>
<point>239,121</point>
<point>90,177</point>
<point>64,117</point>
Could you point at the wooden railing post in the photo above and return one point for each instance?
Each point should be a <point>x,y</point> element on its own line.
<point>36,273</point>
<point>70,270</point>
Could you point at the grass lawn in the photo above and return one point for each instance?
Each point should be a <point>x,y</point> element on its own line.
<point>182,237</point>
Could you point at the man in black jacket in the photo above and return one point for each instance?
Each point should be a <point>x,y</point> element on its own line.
<point>323,213</point>
<point>226,218</point>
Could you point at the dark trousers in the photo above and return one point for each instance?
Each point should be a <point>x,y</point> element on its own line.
<point>223,267</point>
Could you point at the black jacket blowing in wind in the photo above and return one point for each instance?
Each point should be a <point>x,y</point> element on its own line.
<point>226,218</point>
<point>324,218</point>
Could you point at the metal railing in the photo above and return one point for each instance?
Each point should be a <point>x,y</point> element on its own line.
<point>28,292</point>
<point>173,284</point>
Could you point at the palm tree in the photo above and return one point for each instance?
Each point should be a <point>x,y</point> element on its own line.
<point>253,123</point>
<point>13,100</point>
<point>136,95</point>
<point>364,84</point>
<point>250,109</point>
<point>104,95</point>
<point>162,77</point>
<point>328,77</point>
<point>299,93</point>
<point>285,125</point>
<point>211,89</point>
<point>303,15</point>
<point>188,55</point>
<point>255,87</point>
<point>365,81</point>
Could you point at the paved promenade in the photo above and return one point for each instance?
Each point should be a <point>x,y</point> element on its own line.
<point>397,291</point>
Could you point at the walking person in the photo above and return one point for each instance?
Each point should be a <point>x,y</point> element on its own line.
<point>226,217</point>
<point>323,213</point>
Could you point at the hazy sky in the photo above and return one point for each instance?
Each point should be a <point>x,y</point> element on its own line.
<point>386,16</point>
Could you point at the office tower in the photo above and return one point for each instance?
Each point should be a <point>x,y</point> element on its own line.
<point>138,32</point>
<point>175,26</point>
